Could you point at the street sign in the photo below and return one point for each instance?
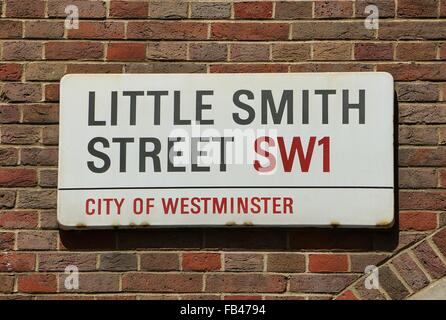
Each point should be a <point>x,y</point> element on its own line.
<point>302,149</point>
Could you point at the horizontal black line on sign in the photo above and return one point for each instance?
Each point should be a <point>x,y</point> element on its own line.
<point>231,187</point>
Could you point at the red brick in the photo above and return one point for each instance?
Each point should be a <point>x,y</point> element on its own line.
<point>411,135</point>
<point>251,283</point>
<point>128,9</point>
<point>86,8</point>
<point>18,219</point>
<point>253,10</point>
<point>425,200</point>
<point>39,156</point>
<point>93,282</point>
<point>347,295</point>
<point>241,297</point>
<point>412,30</point>
<point>422,156</point>
<point>417,8</point>
<point>17,262</point>
<point>25,9</point>
<point>253,68</point>
<point>159,282</point>
<point>328,263</point>
<point>430,260</point>
<point>333,9</point>
<point>386,8</point>
<point>414,71</point>
<point>37,283</point>
<point>201,261</point>
<point>18,177</point>
<point>10,71</point>
<point>74,50</point>
<point>52,92</point>
<point>418,220</point>
<point>373,51</point>
<point>331,67</point>
<point>249,31</point>
<point>98,30</point>
<point>416,51</point>
<point>126,51</point>
<point>167,30</point>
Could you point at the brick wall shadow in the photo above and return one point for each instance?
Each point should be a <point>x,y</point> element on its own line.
<point>248,238</point>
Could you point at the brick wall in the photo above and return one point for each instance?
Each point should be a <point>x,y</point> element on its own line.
<point>226,36</point>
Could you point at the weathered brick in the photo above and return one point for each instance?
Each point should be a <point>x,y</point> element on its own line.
<point>373,51</point>
<point>48,220</point>
<point>52,92</point>
<point>291,51</point>
<point>158,282</point>
<point>21,92</point>
<point>50,135</point>
<point>310,283</point>
<point>359,262</point>
<point>128,9</point>
<point>98,30</point>
<point>422,114</point>
<point>246,262</point>
<point>440,241</point>
<point>167,30</point>
<point>166,51</point>
<point>18,177</point>
<point>333,9</point>
<point>10,71</point>
<point>430,260</point>
<point>417,178</point>
<point>95,68</point>
<point>168,9</point>
<point>86,8</point>
<point>391,284</point>
<point>415,51</point>
<point>331,67</point>
<point>250,52</point>
<point>74,50</point>
<point>9,156</point>
<point>417,92</point>
<point>160,261</point>
<point>116,261</point>
<point>6,283</point>
<point>59,261</point>
<point>201,261</point>
<point>294,10</point>
<point>286,262</point>
<point>17,262</point>
<point>251,283</point>
<point>9,113</point>
<point>415,71</point>
<point>413,30</point>
<point>19,219</point>
<point>413,135</point>
<point>208,51</point>
<point>44,71</point>
<point>417,8</point>
<point>328,263</point>
<point>25,9</point>
<point>250,68</point>
<point>253,10</point>
<point>44,29</point>
<point>386,8</point>
<point>20,134</point>
<point>210,10</point>
<point>7,199</point>
<point>422,156</point>
<point>93,282</point>
<point>166,67</point>
<point>36,199</point>
<point>22,50</point>
<point>36,240</point>
<point>410,272</point>
<point>426,200</point>
<point>39,156</point>
<point>126,51</point>
<point>333,30</point>
<point>332,51</point>
<point>38,113</point>
<point>249,31</point>
<point>10,29</point>
<point>48,178</point>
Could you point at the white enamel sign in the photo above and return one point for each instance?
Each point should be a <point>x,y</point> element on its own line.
<point>308,149</point>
